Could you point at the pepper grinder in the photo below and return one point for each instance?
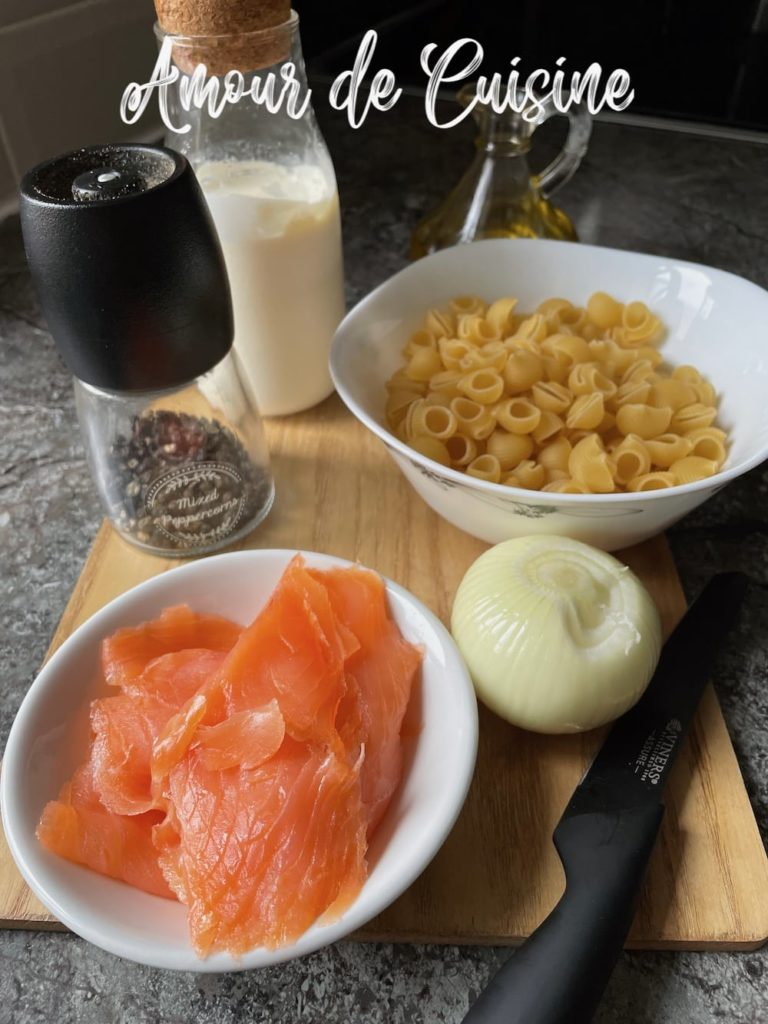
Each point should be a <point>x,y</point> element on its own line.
<point>133,285</point>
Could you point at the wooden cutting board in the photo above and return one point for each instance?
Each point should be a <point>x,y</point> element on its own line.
<point>497,875</point>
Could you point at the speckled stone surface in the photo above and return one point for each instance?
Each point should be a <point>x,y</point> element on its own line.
<point>655,191</point>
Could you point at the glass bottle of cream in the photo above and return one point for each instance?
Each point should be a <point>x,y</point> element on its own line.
<point>270,185</point>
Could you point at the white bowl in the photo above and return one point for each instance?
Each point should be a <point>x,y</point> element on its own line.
<point>715,320</point>
<point>49,737</point>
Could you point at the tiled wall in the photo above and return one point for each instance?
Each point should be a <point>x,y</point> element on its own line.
<point>63,68</point>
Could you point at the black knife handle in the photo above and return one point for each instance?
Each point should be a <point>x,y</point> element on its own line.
<point>558,975</point>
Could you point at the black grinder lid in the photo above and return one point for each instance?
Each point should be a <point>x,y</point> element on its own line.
<point>127,265</point>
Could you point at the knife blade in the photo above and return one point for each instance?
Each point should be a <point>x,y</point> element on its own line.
<point>605,836</point>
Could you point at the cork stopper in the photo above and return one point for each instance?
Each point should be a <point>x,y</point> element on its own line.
<point>225,35</point>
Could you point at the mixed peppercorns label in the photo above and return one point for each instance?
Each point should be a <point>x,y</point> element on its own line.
<point>183,482</point>
<point>197,504</point>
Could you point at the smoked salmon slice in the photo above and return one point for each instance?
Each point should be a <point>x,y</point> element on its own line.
<point>246,738</point>
<point>293,652</point>
<point>126,726</point>
<point>177,676</point>
<point>126,653</point>
<point>380,676</point>
<point>258,855</point>
<point>78,827</point>
<point>172,743</point>
<point>244,770</point>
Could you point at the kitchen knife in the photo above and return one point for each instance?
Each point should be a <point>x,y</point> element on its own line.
<point>607,832</point>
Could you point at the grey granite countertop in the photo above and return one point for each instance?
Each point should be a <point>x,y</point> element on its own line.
<point>657,191</point>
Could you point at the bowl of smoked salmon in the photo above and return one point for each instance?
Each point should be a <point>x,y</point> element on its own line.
<point>239,761</point>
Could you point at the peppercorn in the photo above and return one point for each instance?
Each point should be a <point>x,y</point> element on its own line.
<point>181,481</point>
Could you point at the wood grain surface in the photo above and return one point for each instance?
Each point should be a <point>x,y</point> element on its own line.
<point>497,875</point>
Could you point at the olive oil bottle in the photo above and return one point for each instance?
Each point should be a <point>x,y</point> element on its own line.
<point>498,197</point>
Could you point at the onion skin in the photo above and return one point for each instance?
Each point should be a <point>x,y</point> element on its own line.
<point>558,636</point>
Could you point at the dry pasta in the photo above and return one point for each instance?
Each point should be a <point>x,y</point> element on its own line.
<point>692,467</point>
<point>509,449</point>
<point>555,456</point>
<point>485,467</point>
<point>461,449</point>
<point>630,458</point>
<point>655,481</point>
<point>518,415</point>
<point>567,399</point>
<point>588,463</point>
<point>668,448</point>
<point>646,421</point>
<point>586,412</point>
<point>708,442</point>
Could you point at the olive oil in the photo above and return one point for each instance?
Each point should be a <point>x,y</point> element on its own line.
<point>498,197</point>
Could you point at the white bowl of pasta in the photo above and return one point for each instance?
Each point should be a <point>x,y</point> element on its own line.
<point>545,387</point>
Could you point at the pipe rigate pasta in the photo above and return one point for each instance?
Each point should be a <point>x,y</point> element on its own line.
<point>433,421</point>
<point>397,405</point>
<point>567,349</point>
<point>499,313</point>
<point>554,307</point>
<point>509,449</point>
<point>644,420</point>
<point>630,458</point>
<point>522,370</point>
<point>705,393</point>
<point>420,339</point>
<point>551,396</point>
<point>485,467</point>
<point>587,412</point>
<point>633,392</point>
<point>534,328</point>
<point>565,486</point>
<point>604,311</point>
<point>423,364</point>
<point>518,415</point>
<point>482,331</point>
<point>692,467</point>
<point>491,356</point>
<point>445,380</point>
<point>655,481</point>
<point>441,323</point>
<point>473,419</point>
<point>638,325</point>
<point>668,448</point>
<point>687,373</point>
<point>549,427</point>
<point>484,386</point>
<point>555,455</point>
<point>675,394</point>
<point>452,351</point>
<point>401,382</point>
<point>461,449</point>
<point>568,399</point>
<point>693,417</point>
<point>709,442</point>
<point>586,378</point>
<point>641,370</point>
<point>432,448</point>
<point>530,475</point>
<point>588,463</point>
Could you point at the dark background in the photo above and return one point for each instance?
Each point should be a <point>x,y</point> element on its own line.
<point>701,61</point>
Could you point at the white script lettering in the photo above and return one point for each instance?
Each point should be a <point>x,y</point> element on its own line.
<point>382,94</point>
<point>198,91</point>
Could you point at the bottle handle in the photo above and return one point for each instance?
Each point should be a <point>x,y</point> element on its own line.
<point>570,156</point>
